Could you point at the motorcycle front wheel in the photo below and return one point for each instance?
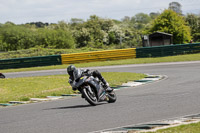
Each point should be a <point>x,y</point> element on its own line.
<point>90,95</point>
<point>112,97</point>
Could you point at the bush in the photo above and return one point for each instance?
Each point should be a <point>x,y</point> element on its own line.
<point>17,37</point>
<point>20,37</point>
<point>55,38</point>
<point>171,22</point>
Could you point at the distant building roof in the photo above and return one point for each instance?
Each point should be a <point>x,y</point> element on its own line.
<point>158,32</point>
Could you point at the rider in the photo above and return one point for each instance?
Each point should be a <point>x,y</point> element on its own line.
<point>73,72</point>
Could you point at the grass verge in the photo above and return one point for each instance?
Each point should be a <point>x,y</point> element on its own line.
<point>22,89</point>
<point>190,128</point>
<point>189,57</point>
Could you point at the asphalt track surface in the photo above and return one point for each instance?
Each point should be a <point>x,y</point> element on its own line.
<point>177,95</point>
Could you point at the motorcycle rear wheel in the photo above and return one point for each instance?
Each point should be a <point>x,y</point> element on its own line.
<point>90,97</point>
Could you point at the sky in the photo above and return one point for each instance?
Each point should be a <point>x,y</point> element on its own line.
<point>52,11</point>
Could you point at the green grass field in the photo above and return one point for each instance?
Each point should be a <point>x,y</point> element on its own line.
<point>14,89</point>
<point>191,128</point>
<point>189,57</point>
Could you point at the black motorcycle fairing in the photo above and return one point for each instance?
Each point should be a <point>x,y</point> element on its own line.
<point>77,74</point>
<point>95,83</point>
<point>80,82</point>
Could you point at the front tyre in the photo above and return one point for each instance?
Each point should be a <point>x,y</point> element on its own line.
<point>90,95</point>
<point>112,97</point>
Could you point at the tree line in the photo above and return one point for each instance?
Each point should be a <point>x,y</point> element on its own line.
<point>99,32</point>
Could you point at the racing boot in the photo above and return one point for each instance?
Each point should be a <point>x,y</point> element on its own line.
<point>106,85</point>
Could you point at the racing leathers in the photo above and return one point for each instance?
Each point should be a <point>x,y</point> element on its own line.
<point>87,72</point>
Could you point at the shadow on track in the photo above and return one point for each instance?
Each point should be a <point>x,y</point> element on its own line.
<point>75,106</point>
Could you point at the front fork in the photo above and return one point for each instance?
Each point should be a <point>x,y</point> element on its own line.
<point>103,95</point>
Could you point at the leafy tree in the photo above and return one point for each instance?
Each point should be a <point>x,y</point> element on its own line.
<point>153,15</point>
<point>38,24</point>
<point>82,37</point>
<point>94,25</point>
<point>8,23</point>
<point>61,25</point>
<point>131,29</point>
<point>126,19</point>
<point>94,32</point>
<point>76,21</point>
<point>55,38</point>
<point>140,21</point>
<point>142,18</point>
<point>170,22</point>
<point>194,23</point>
<point>176,7</point>
<point>115,34</point>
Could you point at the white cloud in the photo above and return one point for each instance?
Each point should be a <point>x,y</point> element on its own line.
<point>22,11</point>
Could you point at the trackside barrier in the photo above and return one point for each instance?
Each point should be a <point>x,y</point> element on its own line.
<point>169,50</point>
<point>98,56</point>
<point>30,62</point>
<point>158,51</point>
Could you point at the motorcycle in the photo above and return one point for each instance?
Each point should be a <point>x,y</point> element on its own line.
<point>2,76</point>
<point>92,90</point>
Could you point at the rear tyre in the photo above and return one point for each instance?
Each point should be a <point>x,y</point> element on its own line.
<point>112,97</point>
<point>90,95</point>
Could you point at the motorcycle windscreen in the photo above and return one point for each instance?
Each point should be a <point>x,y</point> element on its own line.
<point>77,74</point>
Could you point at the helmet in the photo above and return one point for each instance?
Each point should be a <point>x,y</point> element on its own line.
<point>74,72</point>
<point>71,69</point>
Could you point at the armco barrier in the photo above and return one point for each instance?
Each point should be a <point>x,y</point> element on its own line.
<point>98,56</point>
<point>169,50</point>
<point>30,62</point>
